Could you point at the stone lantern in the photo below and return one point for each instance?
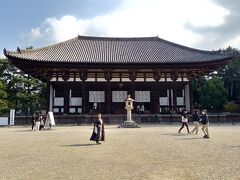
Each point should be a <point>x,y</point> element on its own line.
<point>129,123</point>
<point>129,107</point>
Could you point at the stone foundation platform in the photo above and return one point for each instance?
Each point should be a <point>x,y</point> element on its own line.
<point>129,124</point>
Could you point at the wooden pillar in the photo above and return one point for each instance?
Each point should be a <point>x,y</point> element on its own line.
<point>156,97</point>
<point>174,79</point>
<point>83,85</point>
<point>170,98</point>
<point>65,77</point>
<point>187,97</point>
<point>66,98</point>
<point>190,77</point>
<point>47,97</point>
<point>132,89</point>
<point>108,98</point>
<point>132,77</point>
<point>191,95</point>
<point>156,89</point>
<point>174,96</point>
<point>83,77</point>
<point>50,92</point>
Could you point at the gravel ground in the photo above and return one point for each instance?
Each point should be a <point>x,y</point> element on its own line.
<point>150,152</point>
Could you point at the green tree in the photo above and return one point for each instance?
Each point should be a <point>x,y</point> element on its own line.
<point>230,74</point>
<point>3,99</point>
<point>213,94</point>
<point>197,85</point>
<point>232,107</point>
<point>25,93</point>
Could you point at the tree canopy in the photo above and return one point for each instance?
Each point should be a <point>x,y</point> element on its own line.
<point>230,74</point>
<point>213,94</point>
<point>3,99</point>
<point>215,90</point>
<point>24,93</point>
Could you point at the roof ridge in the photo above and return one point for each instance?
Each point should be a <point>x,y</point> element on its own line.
<point>153,39</point>
<point>116,38</point>
<point>188,48</point>
<point>79,37</point>
<point>217,52</point>
<point>42,48</point>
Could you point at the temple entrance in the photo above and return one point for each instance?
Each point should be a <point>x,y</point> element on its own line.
<point>96,103</point>
<point>118,101</point>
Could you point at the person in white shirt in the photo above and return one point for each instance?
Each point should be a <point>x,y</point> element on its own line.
<point>37,121</point>
<point>184,121</point>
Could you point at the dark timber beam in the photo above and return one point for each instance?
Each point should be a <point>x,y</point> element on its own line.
<point>83,77</point>
<point>174,78</point>
<point>108,98</point>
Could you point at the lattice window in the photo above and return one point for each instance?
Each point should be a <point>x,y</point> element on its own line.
<point>164,97</point>
<point>96,96</point>
<point>119,96</point>
<point>58,101</point>
<point>75,101</point>
<point>142,96</point>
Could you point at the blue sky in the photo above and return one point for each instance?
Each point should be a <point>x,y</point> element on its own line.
<point>202,24</point>
<point>19,16</point>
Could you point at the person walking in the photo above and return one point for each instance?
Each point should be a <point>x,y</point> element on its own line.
<point>41,123</point>
<point>33,121</point>
<point>184,121</point>
<point>196,119</point>
<point>37,121</point>
<point>98,133</point>
<point>205,123</point>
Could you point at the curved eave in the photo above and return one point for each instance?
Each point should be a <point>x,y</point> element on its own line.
<point>28,63</point>
<point>70,61</point>
<point>215,58</point>
<point>107,50</point>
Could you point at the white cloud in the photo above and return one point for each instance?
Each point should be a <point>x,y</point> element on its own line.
<point>235,42</point>
<point>66,27</point>
<point>35,33</point>
<point>137,18</point>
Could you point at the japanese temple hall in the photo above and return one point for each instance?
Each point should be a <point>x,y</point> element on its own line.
<point>86,74</point>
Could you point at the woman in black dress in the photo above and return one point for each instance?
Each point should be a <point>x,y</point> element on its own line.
<point>98,130</point>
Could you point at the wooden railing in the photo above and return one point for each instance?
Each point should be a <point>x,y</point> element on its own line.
<point>119,118</point>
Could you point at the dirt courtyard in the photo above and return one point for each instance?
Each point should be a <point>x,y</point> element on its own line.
<point>150,152</point>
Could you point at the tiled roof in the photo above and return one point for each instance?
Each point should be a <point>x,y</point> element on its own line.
<point>84,49</point>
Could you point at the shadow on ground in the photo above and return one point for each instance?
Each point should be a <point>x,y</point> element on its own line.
<point>78,145</point>
<point>174,134</point>
<point>234,146</point>
<point>30,130</point>
<point>25,130</point>
<point>191,138</point>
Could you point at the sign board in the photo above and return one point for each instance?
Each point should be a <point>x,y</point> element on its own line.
<point>3,121</point>
<point>12,117</point>
<point>50,119</point>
